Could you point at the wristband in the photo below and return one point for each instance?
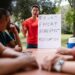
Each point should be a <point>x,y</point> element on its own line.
<point>58,65</point>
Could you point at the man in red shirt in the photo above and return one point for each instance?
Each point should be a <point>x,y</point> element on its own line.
<point>30,25</point>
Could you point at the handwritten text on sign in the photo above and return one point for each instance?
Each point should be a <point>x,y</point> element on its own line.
<point>49,31</point>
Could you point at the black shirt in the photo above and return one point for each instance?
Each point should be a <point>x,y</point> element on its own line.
<point>5,38</point>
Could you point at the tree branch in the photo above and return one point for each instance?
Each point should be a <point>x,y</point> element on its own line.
<point>70,2</point>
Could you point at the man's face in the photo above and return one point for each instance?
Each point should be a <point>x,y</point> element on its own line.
<point>3,22</point>
<point>35,11</point>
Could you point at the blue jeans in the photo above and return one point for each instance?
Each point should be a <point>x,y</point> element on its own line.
<point>31,45</point>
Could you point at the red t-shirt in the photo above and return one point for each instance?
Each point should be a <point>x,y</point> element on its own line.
<point>32,27</point>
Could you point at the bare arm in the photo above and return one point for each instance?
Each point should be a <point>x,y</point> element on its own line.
<point>67,51</point>
<point>11,44</point>
<point>8,52</point>
<point>69,67</point>
<point>15,47</point>
<point>2,48</point>
<point>17,41</point>
<point>12,65</point>
<point>64,51</point>
<point>24,30</point>
<point>9,65</point>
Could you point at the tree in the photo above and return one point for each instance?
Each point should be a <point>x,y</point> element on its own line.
<point>69,20</point>
<point>71,16</point>
<point>72,3</point>
<point>6,4</point>
<point>23,8</point>
<point>48,6</point>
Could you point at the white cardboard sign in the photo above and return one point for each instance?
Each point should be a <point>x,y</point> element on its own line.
<point>49,31</point>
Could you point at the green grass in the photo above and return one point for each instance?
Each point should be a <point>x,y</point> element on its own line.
<point>64,39</point>
<point>23,40</point>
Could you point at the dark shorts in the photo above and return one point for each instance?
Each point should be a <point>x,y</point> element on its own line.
<point>31,45</point>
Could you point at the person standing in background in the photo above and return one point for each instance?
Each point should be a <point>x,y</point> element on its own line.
<point>30,25</point>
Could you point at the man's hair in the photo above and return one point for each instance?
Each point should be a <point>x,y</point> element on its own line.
<point>3,12</point>
<point>36,6</point>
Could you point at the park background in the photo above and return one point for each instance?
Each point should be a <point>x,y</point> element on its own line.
<point>21,10</point>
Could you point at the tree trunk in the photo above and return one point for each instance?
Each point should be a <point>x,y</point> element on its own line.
<point>74,24</point>
<point>73,3</point>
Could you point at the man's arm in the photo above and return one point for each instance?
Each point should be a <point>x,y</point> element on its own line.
<point>69,67</point>
<point>24,31</point>
<point>2,48</point>
<point>12,42</point>
<point>9,52</point>
<point>24,28</point>
<point>17,41</point>
<point>8,66</point>
<point>15,47</point>
<point>64,51</point>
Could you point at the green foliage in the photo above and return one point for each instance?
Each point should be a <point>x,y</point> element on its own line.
<point>72,4</point>
<point>5,4</point>
<point>23,8</point>
<point>69,19</point>
<point>48,7</point>
<point>69,16</point>
<point>49,10</point>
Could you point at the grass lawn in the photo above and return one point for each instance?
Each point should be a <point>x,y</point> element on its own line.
<point>64,39</point>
